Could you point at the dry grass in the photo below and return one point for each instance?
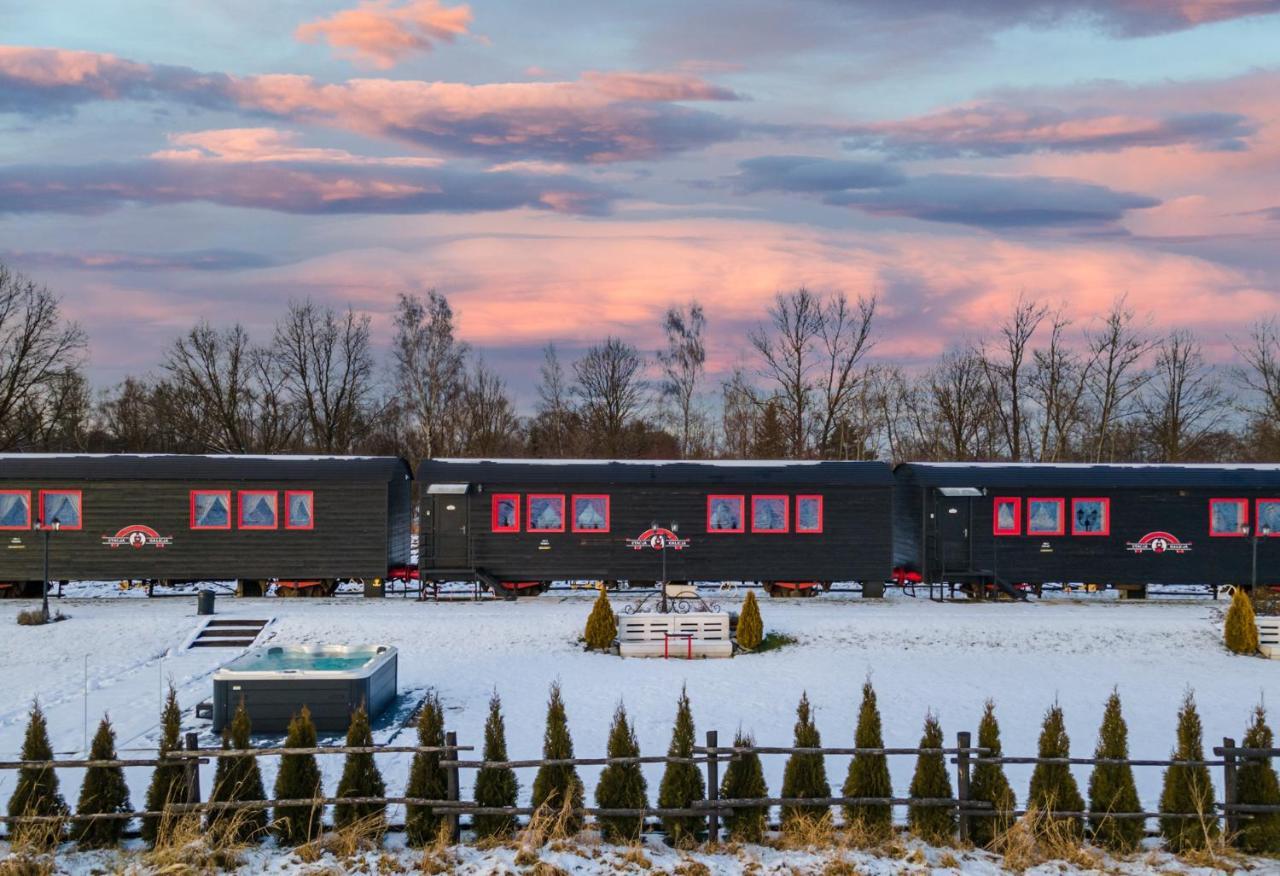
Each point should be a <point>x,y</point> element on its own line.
<point>439,857</point>
<point>186,847</point>
<point>26,864</point>
<point>1037,838</point>
<point>345,843</point>
<point>634,856</point>
<point>807,832</point>
<point>948,861</point>
<point>690,867</point>
<point>542,868</point>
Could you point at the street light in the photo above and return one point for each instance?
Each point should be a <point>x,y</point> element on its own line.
<point>1262,532</point>
<point>675,527</point>
<point>44,598</point>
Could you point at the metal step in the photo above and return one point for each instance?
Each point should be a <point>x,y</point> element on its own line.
<point>222,643</point>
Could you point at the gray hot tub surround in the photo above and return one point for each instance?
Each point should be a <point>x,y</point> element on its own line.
<point>331,680</point>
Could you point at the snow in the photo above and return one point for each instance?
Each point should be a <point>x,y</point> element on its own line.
<point>115,655</point>
<point>728,463</point>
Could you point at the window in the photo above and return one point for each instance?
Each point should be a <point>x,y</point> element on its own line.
<point>1228,517</point>
<point>809,514</point>
<point>724,513</point>
<point>546,513</point>
<point>299,509</point>
<point>1091,516</point>
<point>770,513</point>
<point>505,513</point>
<point>590,513</point>
<point>1268,517</point>
<point>257,509</point>
<point>210,509</point>
<point>1045,517</point>
<point>15,509</point>
<point>61,507</point>
<point>1006,515</point>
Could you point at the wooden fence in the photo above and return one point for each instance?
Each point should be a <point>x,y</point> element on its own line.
<point>711,756</point>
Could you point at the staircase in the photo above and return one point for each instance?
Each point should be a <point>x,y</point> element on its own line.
<point>230,633</point>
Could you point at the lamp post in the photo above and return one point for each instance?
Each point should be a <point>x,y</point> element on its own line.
<point>44,596</point>
<point>1261,532</point>
<point>675,527</point>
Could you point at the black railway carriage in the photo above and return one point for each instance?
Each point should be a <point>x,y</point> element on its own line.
<point>523,523</point>
<point>1124,525</point>
<point>307,520</point>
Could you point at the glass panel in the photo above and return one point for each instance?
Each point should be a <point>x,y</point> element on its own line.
<point>1227,517</point>
<point>546,513</point>
<point>1044,516</point>
<point>15,510</point>
<point>300,508</point>
<point>1006,515</point>
<point>1090,516</point>
<point>725,514</point>
<point>62,508</point>
<point>212,510</point>
<point>504,512</point>
<point>808,513</point>
<point>590,513</point>
<point>1268,516</point>
<point>768,513</point>
<point>258,509</point>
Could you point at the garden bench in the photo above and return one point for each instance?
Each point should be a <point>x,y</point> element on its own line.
<point>697,634</point>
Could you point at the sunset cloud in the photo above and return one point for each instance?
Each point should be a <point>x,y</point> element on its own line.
<point>269,144</point>
<point>380,33</point>
<point>197,260</point>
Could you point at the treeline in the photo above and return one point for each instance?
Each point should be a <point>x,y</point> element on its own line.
<point>810,382</point>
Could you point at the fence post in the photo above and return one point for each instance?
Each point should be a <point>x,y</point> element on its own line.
<point>962,782</point>
<point>1229,795</point>
<point>713,786</point>
<point>451,774</point>
<point>193,770</point>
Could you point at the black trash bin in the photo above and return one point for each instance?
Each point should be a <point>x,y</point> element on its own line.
<point>204,602</point>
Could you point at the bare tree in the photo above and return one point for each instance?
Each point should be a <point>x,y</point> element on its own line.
<point>789,359</point>
<point>37,348</point>
<point>1184,402</point>
<point>960,398</point>
<point>611,388</point>
<point>1057,383</point>
<point>430,372</point>
<point>487,420</point>
<point>683,363</point>
<point>62,413</point>
<point>1259,377</point>
<point>1115,376</point>
<point>553,425</point>
<point>1005,370</point>
<point>845,335</point>
<point>211,373</point>
<point>739,415</point>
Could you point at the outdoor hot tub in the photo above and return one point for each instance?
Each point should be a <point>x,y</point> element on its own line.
<point>331,680</point>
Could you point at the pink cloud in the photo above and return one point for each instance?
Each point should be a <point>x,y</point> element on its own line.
<point>269,144</point>
<point>379,33</point>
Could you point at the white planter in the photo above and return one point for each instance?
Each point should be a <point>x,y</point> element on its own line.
<point>1269,637</point>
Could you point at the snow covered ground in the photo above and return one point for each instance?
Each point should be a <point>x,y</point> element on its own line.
<point>920,655</point>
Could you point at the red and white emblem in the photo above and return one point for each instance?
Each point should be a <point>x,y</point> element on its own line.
<point>1159,543</point>
<point>137,536</point>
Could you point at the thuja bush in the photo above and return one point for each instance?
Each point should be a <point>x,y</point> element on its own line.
<point>298,779</point>
<point>682,783</point>
<point>602,625</point>
<point>236,780</point>
<point>36,791</point>
<point>427,779</point>
<point>989,783</point>
<point>1112,790</point>
<point>744,780</point>
<point>805,775</point>
<point>557,786</point>
<point>869,773</point>
<point>1188,789</point>
<point>1053,788</point>
<point>168,780</point>
<point>1241,628</point>
<point>750,627</point>
<point>495,785</point>
<point>103,792</point>
<point>933,824</point>
<point>1256,784</point>
<point>360,778</point>
<point>622,785</point>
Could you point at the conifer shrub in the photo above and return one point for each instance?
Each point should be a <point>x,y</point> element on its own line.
<point>744,780</point>
<point>1053,787</point>
<point>622,785</point>
<point>1112,790</point>
<point>602,625</point>
<point>682,783</point>
<point>427,779</point>
<point>103,792</point>
<point>495,786</point>
<point>1241,628</point>
<point>869,773</point>
<point>36,791</point>
<point>989,784</point>
<point>805,775</point>
<point>298,779</point>
<point>558,786</point>
<point>168,780</point>
<point>933,824</point>
<point>1256,784</point>
<point>360,778</point>
<point>750,627</point>
<point>235,780</point>
<point>1188,789</point>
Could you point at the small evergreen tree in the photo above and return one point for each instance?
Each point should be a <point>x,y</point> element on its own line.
<point>556,786</point>
<point>933,824</point>
<point>805,776</point>
<point>427,779</point>
<point>1053,788</point>
<point>1111,787</point>
<point>1241,628</point>
<point>869,773</point>
<point>602,626</point>
<point>622,785</point>
<point>1256,785</point>
<point>235,780</point>
<point>104,791</point>
<point>1187,787</point>
<point>36,791</point>
<point>750,626</point>
<point>990,784</point>
<point>298,779</point>
<point>169,780</point>
<point>495,786</point>
<point>360,778</point>
<point>744,780</point>
<point>682,782</point>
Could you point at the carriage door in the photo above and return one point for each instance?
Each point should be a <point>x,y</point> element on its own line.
<point>955,528</point>
<point>448,504</point>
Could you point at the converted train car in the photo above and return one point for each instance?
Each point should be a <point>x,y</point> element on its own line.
<point>1126,526</point>
<point>517,525</point>
<point>304,521</point>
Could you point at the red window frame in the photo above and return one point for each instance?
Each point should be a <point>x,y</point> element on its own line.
<point>528,510</point>
<point>608,514</point>
<point>1062,515</point>
<point>1243,504</point>
<point>1257,515</point>
<point>742,514</point>
<point>26,493</point>
<point>514,499</point>
<point>786,514</point>
<point>1017,515</point>
<point>191,520</point>
<point>288,494</point>
<point>240,494</point>
<point>1106,515</point>
<point>79,496</point>
<point>800,530</point>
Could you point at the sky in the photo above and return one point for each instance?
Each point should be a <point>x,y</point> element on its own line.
<point>566,170</point>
